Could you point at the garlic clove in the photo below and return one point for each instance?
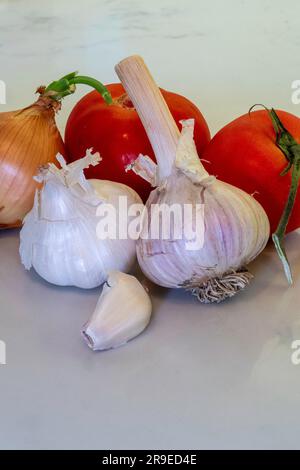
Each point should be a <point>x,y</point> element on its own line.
<point>123,311</point>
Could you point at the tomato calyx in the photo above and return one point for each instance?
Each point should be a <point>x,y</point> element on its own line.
<point>291,150</point>
<point>124,101</point>
<point>66,85</point>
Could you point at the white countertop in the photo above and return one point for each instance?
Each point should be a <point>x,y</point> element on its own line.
<point>217,376</point>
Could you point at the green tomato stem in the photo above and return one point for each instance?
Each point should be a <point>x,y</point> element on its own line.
<point>81,79</point>
<point>291,150</point>
<point>278,235</point>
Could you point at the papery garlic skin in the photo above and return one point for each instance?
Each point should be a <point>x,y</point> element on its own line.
<point>236,231</point>
<point>123,311</point>
<point>169,264</point>
<point>59,238</point>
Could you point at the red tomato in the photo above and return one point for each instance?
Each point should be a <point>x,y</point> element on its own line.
<point>244,154</point>
<point>118,134</point>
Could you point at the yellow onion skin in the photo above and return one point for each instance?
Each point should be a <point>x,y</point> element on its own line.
<point>29,139</point>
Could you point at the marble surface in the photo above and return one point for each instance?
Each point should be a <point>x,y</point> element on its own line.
<point>200,376</point>
<point>225,56</point>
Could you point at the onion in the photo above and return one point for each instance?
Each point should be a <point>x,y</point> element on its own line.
<point>29,139</point>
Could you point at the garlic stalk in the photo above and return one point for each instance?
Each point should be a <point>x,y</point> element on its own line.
<point>60,237</point>
<point>123,311</point>
<point>235,226</point>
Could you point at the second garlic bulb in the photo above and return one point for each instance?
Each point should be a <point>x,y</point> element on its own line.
<point>59,237</point>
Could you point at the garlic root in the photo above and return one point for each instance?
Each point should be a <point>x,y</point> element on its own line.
<point>218,289</point>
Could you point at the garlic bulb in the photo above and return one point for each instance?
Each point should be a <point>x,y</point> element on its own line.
<point>235,226</point>
<point>60,237</point>
<point>123,311</point>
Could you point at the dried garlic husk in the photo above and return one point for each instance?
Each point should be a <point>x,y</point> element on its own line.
<point>59,237</point>
<point>235,226</point>
<point>123,311</point>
